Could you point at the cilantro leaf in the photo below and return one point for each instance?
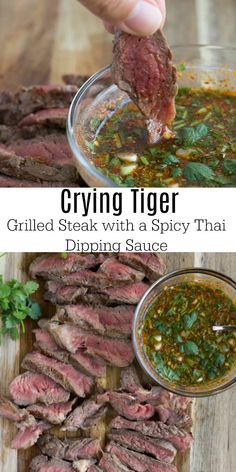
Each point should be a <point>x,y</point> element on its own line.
<point>189,135</point>
<point>191,348</point>
<point>168,160</point>
<point>198,172</point>
<point>230,166</point>
<point>189,320</point>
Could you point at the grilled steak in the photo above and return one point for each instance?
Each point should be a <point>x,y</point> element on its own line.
<point>83,464</point>
<point>127,405</point>
<point>143,68</point>
<point>118,271</point>
<point>54,117</point>
<point>130,382</point>
<point>81,360</point>
<point>54,264</point>
<point>68,449</point>
<point>85,415</point>
<point>130,294</point>
<point>161,450</point>
<point>94,468</point>
<point>28,436</point>
<point>57,293</point>
<point>155,429</point>
<point>87,278</point>
<point>11,182</point>
<point>11,412</point>
<point>54,414</point>
<point>29,388</point>
<point>48,158</point>
<point>150,263</point>
<point>138,462</point>
<point>111,321</point>
<point>115,351</point>
<point>44,464</point>
<point>112,464</point>
<point>15,106</point>
<point>178,418</point>
<point>64,374</point>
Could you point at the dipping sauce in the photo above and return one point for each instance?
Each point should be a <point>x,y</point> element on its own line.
<point>202,154</point>
<point>178,337</point>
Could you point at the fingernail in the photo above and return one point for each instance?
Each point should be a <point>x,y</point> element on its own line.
<point>144,20</point>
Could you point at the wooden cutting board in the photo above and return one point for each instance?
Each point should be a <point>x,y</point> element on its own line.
<point>214,418</point>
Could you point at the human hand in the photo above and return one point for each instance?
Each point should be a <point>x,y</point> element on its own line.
<point>139,17</point>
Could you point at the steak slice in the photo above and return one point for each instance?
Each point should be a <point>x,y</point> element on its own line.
<point>11,411</point>
<point>30,388</point>
<point>28,436</point>
<point>11,182</point>
<point>54,414</point>
<point>15,106</point>
<point>54,117</point>
<point>115,351</point>
<point>178,418</point>
<point>116,321</point>
<point>148,262</point>
<point>180,439</point>
<point>138,462</point>
<point>112,464</point>
<point>46,158</point>
<point>130,294</point>
<point>83,464</point>
<point>161,450</point>
<point>94,468</point>
<point>68,449</point>
<point>85,415</point>
<point>127,405</point>
<point>59,294</point>
<point>64,374</point>
<point>89,364</point>
<point>120,272</point>
<point>87,278</point>
<point>55,265</point>
<point>44,464</point>
<point>142,67</point>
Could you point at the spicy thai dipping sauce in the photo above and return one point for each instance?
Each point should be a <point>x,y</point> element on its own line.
<point>202,153</point>
<point>178,338</point>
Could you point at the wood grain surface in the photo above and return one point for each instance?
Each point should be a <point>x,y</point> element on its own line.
<point>214,418</point>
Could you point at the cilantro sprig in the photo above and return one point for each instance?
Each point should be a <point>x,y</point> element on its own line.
<point>16,305</point>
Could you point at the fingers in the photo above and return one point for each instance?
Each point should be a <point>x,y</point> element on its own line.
<point>140,17</point>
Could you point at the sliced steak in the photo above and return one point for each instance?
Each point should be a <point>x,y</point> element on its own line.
<point>64,374</point>
<point>85,415</point>
<point>115,351</point>
<point>11,411</point>
<point>155,429</point>
<point>48,158</point>
<point>44,464</point>
<point>143,68</point>
<point>28,436</point>
<point>54,264</point>
<point>68,449</point>
<point>178,418</point>
<point>87,278</point>
<point>130,382</point>
<point>127,405</point>
<point>59,294</point>
<point>148,262</point>
<point>30,388</point>
<point>54,117</point>
<point>74,79</point>
<point>89,364</point>
<point>130,294</point>
<point>138,462</point>
<point>54,414</point>
<point>112,464</point>
<point>94,468</point>
<point>15,106</point>
<point>83,464</point>
<point>115,321</point>
<point>120,272</point>
<point>11,182</point>
<point>161,450</point>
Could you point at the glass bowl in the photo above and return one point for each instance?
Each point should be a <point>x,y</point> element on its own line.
<point>204,276</point>
<point>206,66</point>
